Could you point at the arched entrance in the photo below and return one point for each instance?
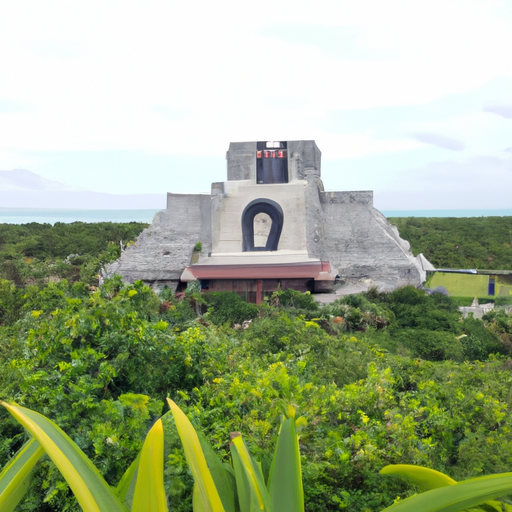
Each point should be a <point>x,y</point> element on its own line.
<point>274,211</point>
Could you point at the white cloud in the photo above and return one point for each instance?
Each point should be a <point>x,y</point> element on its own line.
<point>186,78</point>
<point>501,110</point>
<point>441,141</point>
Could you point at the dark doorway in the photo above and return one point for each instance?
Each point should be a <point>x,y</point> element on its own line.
<point>491,287</point>
<point>274,211</point>
<point>271,162</point>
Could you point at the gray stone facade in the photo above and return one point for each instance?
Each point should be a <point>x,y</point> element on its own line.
<point>341,228</point>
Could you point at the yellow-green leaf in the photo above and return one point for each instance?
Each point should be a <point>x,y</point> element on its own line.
<point>460,496</point>
<point>126,486</point>
<point>285,480</point>
<point>222,474</point>
<point>249,478</point>
<point>89,487</point>
<point>149,493</point>
<point>15,477</point>
<point>247,499</point>
<point>197,502</point>
<point>196,460</point>
<point>425,478</point>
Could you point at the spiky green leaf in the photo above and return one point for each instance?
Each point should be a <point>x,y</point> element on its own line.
<point>15,477</point>
<point>460,496</point>
<point>149,493</point>
<point>126,487</point>
<point>196,461</point>
<point>90,489</point>
<point>252,492</point>
<point>222,474</point>
<point>285,479</point>
<point>424,478</point>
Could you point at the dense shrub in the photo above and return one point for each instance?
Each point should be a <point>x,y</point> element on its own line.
<point>358,313</point>
<point>297,302</point>
<point>100,362</point>
<point>474,242</point>
<point>228,308</point>
<point>38,253</point>
<point>281,333</point>
<point>479,341</point>
<point>415,309</point>
<point>431,345</point>
<point>10,302</point>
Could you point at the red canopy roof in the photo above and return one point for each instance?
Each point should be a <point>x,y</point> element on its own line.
<point>307,270</point>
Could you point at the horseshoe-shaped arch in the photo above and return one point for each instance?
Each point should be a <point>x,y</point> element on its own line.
<point>274,211</point>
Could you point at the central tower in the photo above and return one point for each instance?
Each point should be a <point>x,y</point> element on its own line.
<point>271,225</point>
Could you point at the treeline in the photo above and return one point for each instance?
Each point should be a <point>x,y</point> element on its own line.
<point>451,242</point>
<point>376,379</point>
<point>35,253</point>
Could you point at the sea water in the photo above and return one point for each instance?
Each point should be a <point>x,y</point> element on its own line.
<point>448,213</point>
<point>51,216</point>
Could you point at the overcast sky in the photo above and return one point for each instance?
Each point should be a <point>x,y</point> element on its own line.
<point>411,99</point>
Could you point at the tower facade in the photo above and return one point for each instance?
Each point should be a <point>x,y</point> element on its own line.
<point>270,225</point>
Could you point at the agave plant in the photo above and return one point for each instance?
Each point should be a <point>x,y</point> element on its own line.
<point>216,485</point>
<point>443,494</point>
<point>140,489</point>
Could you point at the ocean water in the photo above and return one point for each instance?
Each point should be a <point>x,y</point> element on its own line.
<point>448,213</point>
<point>51,216</point>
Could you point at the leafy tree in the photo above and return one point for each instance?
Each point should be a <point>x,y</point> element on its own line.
<point>35,253</point>
<point>228,307</point>
<point>471,242</point>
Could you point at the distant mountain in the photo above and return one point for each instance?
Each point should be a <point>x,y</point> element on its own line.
<point>21,179</point>
<point>20,188</point>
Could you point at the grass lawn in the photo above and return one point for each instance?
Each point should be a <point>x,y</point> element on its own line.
<point>461,285</point>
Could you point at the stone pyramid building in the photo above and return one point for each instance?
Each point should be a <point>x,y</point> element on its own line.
<point>270,225</point>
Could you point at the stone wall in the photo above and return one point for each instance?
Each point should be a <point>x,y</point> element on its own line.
<point>229,202</point>
<point>362,245</point>
<point>341,228</point>
<point>163,250</point>
<point>303,160</point>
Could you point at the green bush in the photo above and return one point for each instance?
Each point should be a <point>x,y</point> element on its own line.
<point>479,341</point>
<point>471,242</point>
<point>359,313</point>
<point>431,345</point>
<point>10,302</point>
<point>415,309</point>
<point>294,299</point>
<point>36,253</point>
<point>228,308</point>
<point>281,333</point>
<point>79,356</point>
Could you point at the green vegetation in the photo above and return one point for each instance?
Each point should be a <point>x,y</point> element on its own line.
<point>461,285</point>
<point>474,242</point>
<point>218,487</point>
<point>376,379</point>
<point>473,285</point>
<point>37,253</point>
<point>141,489</point>
<point>230,308</point>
